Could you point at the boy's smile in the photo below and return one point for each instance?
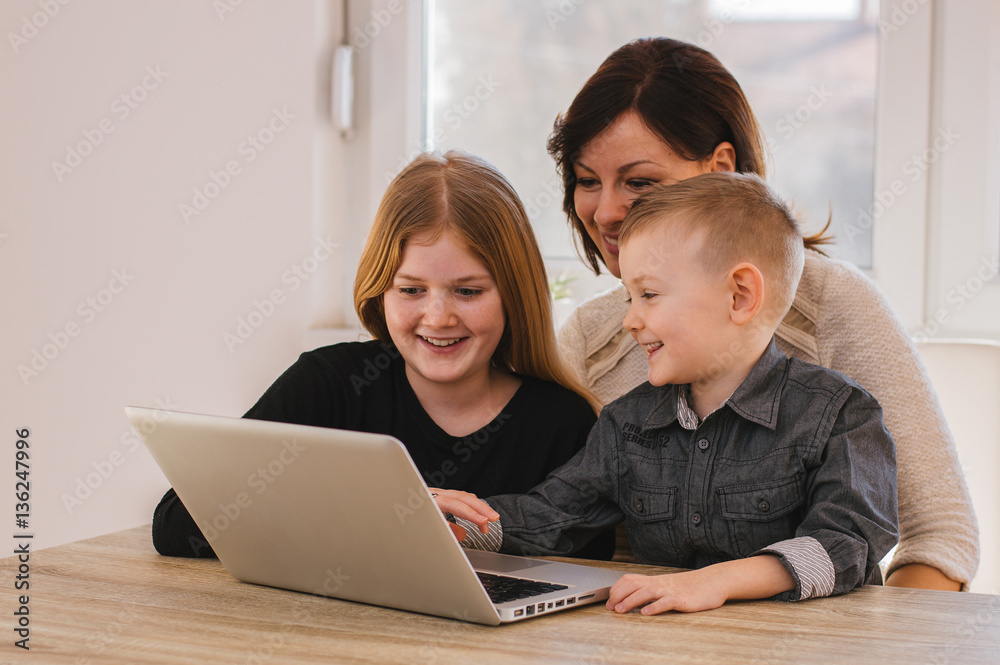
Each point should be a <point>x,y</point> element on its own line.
<point>679,313</point>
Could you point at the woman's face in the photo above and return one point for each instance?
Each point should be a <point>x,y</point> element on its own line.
<point>443,311</point>
<point>620,164</point>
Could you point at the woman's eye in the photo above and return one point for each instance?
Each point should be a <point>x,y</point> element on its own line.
<point>466,292</point>
<point>586,183</point>
<point>640,183</point>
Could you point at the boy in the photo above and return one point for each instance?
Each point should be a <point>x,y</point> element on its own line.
<point>769,476</point>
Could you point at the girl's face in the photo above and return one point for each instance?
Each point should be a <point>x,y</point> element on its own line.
<point>443,311</point>
<point>617,166</point>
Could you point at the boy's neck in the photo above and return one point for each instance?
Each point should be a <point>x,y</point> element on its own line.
<point>708,394</point>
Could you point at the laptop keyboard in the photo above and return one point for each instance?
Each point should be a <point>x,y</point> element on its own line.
<point>502,589</point>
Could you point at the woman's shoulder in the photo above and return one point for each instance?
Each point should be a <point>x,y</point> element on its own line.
<point>599,319</point>
<point>827,281</point>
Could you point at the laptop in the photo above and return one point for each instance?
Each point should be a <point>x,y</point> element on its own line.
<point>347,515</point>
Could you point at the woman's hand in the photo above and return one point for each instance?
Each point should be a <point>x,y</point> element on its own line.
<point>467,506</point>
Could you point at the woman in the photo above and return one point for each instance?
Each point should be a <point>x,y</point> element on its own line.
<point>660,110</point>
<point>463,369</point>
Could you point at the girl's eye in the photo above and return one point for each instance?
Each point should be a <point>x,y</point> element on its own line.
<point>408,290</point>
<point>467,292</point>
<point>647,295</point>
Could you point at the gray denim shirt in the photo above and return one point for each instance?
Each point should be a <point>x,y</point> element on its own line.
<point>797,452</point>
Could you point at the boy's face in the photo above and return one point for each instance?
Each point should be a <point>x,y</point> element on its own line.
<point>679,312</point>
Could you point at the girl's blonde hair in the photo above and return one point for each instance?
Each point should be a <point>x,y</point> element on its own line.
<point>464,195</point>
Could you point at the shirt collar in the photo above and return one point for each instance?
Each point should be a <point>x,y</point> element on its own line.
<point>756,399</point>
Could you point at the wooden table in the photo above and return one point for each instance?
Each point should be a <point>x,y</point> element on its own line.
<point>112,600</point>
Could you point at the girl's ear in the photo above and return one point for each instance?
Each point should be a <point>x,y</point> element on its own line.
<point>746,284</point>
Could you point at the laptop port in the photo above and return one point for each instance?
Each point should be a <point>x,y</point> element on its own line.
<point>550,606</point>
<point>530,609</point>
<point>570,601</point>
<point>541,607</point>
<point>560,603</point>
<point>518,613</point>
<point>588,596</point>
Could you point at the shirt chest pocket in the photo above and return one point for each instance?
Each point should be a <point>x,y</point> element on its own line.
<point>762,514</point>
<point>650,516</point>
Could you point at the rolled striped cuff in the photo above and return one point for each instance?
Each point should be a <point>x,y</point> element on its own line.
<point>810,563</point>
<point>475,540</point>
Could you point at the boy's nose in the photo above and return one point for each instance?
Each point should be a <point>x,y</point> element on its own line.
<point>632,322</point>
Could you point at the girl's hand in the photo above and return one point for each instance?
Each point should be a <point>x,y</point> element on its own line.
<point>467,506</point>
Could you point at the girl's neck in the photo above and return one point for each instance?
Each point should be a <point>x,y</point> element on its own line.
<point>464,407</point>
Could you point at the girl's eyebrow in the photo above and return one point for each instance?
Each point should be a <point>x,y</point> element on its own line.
<point>461,280</point>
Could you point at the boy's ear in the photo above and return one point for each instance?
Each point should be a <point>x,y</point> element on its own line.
<point>746,284</point>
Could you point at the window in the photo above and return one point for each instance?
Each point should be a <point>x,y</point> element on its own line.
<point>500,73</point>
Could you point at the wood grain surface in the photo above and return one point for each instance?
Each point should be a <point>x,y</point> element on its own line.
<point>112,600</point>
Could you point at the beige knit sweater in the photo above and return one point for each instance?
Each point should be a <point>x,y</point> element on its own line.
<point>842,321</point>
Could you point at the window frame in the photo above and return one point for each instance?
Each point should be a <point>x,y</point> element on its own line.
<point>908,259</point>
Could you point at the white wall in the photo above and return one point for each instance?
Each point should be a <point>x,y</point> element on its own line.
<point>158,337</point>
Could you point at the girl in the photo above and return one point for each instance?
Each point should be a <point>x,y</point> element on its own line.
<point>463,368</point>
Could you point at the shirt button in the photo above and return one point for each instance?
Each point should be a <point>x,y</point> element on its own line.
<point>763,506</point>
<point>703,444</point>
<point>638,505</point>
<point>696,519</point>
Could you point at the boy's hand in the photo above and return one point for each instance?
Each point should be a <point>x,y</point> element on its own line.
<point>690,591</point>
<point>467,506</point>
<point>703,589</point>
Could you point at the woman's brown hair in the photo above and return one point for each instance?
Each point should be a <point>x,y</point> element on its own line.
<point>683,94</point>
<point>464,195</point>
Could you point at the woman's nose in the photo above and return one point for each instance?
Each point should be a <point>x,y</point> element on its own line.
<point>611,208</point>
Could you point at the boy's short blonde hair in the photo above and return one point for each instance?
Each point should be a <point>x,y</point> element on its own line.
<point>739,219</point>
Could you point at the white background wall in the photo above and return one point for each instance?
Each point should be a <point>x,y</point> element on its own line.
<point>222,74</point>
<point>160,340</point>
